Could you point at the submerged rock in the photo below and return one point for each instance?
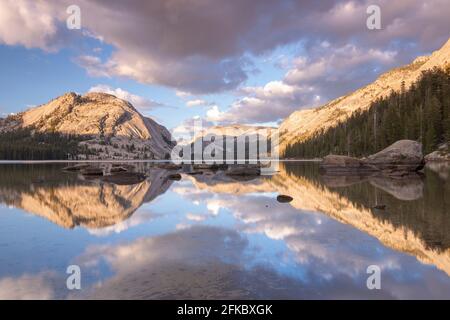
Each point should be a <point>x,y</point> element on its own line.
<point>204,166</point>
<point>92,171</point>
<point>115,169</point>
<point>124,178</point>
<point>77,167</point>
<point>284,198</point>
<point>193,173</point>
<point>168,166</point>
<point>187,168</point>
<point>210,166</point>
<point>243,170</point>
<point>175,177</point>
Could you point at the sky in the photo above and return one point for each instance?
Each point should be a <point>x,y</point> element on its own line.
<point>227,62</point>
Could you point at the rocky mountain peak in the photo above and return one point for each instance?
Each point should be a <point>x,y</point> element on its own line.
<point>102,119</point>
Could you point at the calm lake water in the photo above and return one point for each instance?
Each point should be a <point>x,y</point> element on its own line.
<point>209,236</point>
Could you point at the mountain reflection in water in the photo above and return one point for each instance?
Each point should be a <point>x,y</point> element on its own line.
<point>211,236</point>
<point>69,200</point>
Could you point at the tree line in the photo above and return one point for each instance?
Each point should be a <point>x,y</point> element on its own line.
<point>421,113</point>
<point>28,144</point>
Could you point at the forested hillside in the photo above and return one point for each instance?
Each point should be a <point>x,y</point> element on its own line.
<point>421,112</point>
<point>24,144</point>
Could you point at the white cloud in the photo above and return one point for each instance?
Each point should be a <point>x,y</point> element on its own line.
<point>93,66</point>
<point>28,287</point>
<point>182,94</point>
<point>214,114</point>
<point>190,128</point>
<point>326,72</point>
<point>333,63</point>
<point>270,103</point>
<point>203,46</point>
<point>195,217</point>
<point>32,24</point>
<point>196,103</point>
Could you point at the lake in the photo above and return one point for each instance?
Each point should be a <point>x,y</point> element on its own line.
<point>211,236</point>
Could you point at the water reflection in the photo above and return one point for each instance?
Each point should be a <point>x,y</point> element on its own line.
<point>416,220</point>
<point>214,237</point>
<point>70,200</point>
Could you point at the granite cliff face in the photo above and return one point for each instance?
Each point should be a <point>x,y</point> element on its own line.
<point>303,124</point>
<point>109,125</point>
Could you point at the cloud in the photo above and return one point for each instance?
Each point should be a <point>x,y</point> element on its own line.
<point>201,46</point>
<point>196,217</point>
<point>337,70</point>
<point>93,66</point>
<point>190,128</point>
<point>138,218</point>
<point>302,229</point>
<point>182,94</point>
<point>40,286</point>
<point>141,103</point>
<point>324,73</point>
<point>214,114</point>
<point>272,102</point>
<point>197,102</point>
<point>30,24</point>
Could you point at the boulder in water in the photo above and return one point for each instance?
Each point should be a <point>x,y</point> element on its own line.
<point>284,198</point>
<point>344,164</point>
<point>401,156</point>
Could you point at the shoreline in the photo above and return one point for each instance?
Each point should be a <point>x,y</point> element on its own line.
<point>130,161</point>
<point>155,161</point>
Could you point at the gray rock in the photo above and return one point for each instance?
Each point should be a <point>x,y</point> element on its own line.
<point>92,171</point>
<point>401,156</point>
<point>399,159</point>
<point>346,165</point>
<point>441,154</point>
<point>243,170</point>
<point>284,198</point>
<point>77,167</point>
<point>210,166</point>
<point>168,166</point>
<point>194,173</point>
<point>116,169</point>
<point>175,176</point>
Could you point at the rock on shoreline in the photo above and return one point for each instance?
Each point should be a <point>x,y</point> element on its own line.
<point>442,154</point>
<point>345,164</point>
<point>401,158</point>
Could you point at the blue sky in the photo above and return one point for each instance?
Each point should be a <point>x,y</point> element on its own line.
<point>249,62</point>
<point>33,76</point>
